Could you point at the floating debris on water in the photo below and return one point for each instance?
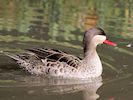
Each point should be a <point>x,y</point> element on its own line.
<point>129,45</point>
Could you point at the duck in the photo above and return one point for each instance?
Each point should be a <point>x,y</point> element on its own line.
<point>56,63</point>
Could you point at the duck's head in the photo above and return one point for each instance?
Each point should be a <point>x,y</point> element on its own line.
<point>93,37</point>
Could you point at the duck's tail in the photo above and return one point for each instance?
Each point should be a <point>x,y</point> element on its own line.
<point>14,56</point>
<point>26,62</point>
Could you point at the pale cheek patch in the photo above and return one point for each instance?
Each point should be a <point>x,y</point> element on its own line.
<point>98,39</point>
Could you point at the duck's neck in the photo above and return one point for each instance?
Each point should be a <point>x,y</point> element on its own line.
<point>89,51</point>
<point>92,62</point>
<point>90,54</point>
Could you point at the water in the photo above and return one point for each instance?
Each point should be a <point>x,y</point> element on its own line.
<point>60,24</point>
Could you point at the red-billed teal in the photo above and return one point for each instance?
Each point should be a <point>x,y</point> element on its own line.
<point>56,63</point>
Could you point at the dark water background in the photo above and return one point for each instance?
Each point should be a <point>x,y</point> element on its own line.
<point>60,24</point>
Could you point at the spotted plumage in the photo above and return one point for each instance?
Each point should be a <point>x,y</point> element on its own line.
<point>56,63</point>
<point>47,62</point>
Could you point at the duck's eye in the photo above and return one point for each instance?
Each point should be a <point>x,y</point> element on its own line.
<point>103,34</point>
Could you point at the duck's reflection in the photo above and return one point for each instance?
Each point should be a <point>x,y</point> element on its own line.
<point>54,86</point>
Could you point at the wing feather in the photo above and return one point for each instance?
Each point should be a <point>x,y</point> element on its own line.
<point>56,55</point>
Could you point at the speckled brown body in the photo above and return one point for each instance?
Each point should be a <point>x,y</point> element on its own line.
<point>55,63</point>
<point>49,63</point>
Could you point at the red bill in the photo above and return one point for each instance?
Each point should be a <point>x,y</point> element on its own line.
<point>110,43</point>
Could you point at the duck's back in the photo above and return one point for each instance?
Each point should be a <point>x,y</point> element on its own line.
<point>47,62</point>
